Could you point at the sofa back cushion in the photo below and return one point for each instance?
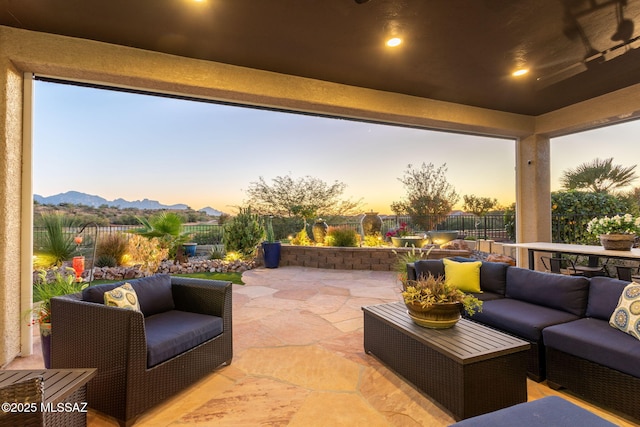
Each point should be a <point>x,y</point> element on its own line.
<point>426,266</point>
<point>558,291</point>
<point>604,293</point>
<point>154,293</point>
<point>493,275</point>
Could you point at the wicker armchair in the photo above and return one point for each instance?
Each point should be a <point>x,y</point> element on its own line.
<point>90,335</point>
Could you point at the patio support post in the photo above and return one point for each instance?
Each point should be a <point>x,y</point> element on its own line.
<point>13,297</point>
<point>533,192</point>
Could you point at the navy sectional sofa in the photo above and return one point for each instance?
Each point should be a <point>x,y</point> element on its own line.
<point>566,321</point>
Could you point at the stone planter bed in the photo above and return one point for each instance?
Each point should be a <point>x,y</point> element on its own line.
<point>331,257</point>
<point>194,265</point>
<point>364,258</point>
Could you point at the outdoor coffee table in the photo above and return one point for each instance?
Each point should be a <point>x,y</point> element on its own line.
<point>469,369</point>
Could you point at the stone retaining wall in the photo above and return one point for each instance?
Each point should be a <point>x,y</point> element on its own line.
<point>365,258</point>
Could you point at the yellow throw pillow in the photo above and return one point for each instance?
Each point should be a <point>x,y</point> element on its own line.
<point>463,275</point>
<point>124,297</point>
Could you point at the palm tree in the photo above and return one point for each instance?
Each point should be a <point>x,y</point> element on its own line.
<point>167,227</point>
<point>599,176</point>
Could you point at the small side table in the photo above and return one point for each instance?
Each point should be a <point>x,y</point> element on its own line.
<point>65,392</point>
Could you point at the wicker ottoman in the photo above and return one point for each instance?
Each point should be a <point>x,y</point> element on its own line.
<point>469,369</point>
<point>552,411</point>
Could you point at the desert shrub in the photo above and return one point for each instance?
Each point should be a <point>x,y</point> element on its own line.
<point>301,238</point>
<point>373,240</point>
<point>341,236</point>
<point>148,253</point>
<point>112,245</point>
<point>233,256</point>
<point>243,233</point>
<point>105,260</point>
<point>58,244</point>
<point>216,253</point>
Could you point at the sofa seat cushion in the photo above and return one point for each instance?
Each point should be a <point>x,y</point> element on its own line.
<point>154,293</point>
<point>557,291</point>
<point>596,341</point>
<point>520,318</point>
<point>487,296</point>
<point>173,332</point>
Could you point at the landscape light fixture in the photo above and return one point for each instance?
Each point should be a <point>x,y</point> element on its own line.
<point>78,240</point>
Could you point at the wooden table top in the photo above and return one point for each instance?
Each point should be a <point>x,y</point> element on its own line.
<point>58,383</point>
<point>466,342</point>
<point>572,249</point>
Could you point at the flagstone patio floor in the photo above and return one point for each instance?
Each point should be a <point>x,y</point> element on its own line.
<point>299,361</point>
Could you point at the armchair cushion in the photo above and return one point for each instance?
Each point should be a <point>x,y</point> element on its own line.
<point>154,293</point>
<point>173,332</point>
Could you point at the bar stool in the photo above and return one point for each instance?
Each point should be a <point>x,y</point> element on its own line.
<point>626,273</point>
<point>593,267</point>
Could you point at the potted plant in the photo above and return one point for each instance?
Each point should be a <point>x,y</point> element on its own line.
<point>617,233</point>
<point>43,290</point>
<point>433,303</point>
<point>270,247</point>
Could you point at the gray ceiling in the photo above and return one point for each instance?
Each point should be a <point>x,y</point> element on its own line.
<point>461,51</point>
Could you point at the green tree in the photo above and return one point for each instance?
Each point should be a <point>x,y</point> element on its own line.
<point>479,206</point>
<point>306,197</point>
<point>599,176</point>
<point>429,195</point>
<point>572,210</point>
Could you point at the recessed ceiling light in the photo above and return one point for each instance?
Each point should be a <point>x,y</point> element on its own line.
<point>394,41</point>
<point>520,72</point>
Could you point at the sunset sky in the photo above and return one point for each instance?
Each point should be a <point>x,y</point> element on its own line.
<point>115,144</point>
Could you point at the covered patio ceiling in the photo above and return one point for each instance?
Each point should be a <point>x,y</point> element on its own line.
<point>456,50</point>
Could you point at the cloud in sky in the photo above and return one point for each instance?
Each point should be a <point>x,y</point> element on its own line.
<point>116,144</point>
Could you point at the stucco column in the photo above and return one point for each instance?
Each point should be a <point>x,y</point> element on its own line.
<point>11,96</point>
<point>533,192</point>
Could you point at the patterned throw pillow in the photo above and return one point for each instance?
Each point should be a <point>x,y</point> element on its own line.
<point>626,316</point>
<point>123,297</point>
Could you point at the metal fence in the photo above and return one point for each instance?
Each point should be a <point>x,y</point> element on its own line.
<point>203,234</point>
<point>565,228</point>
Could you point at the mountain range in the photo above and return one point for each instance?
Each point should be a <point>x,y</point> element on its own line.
<point>78,198</point>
